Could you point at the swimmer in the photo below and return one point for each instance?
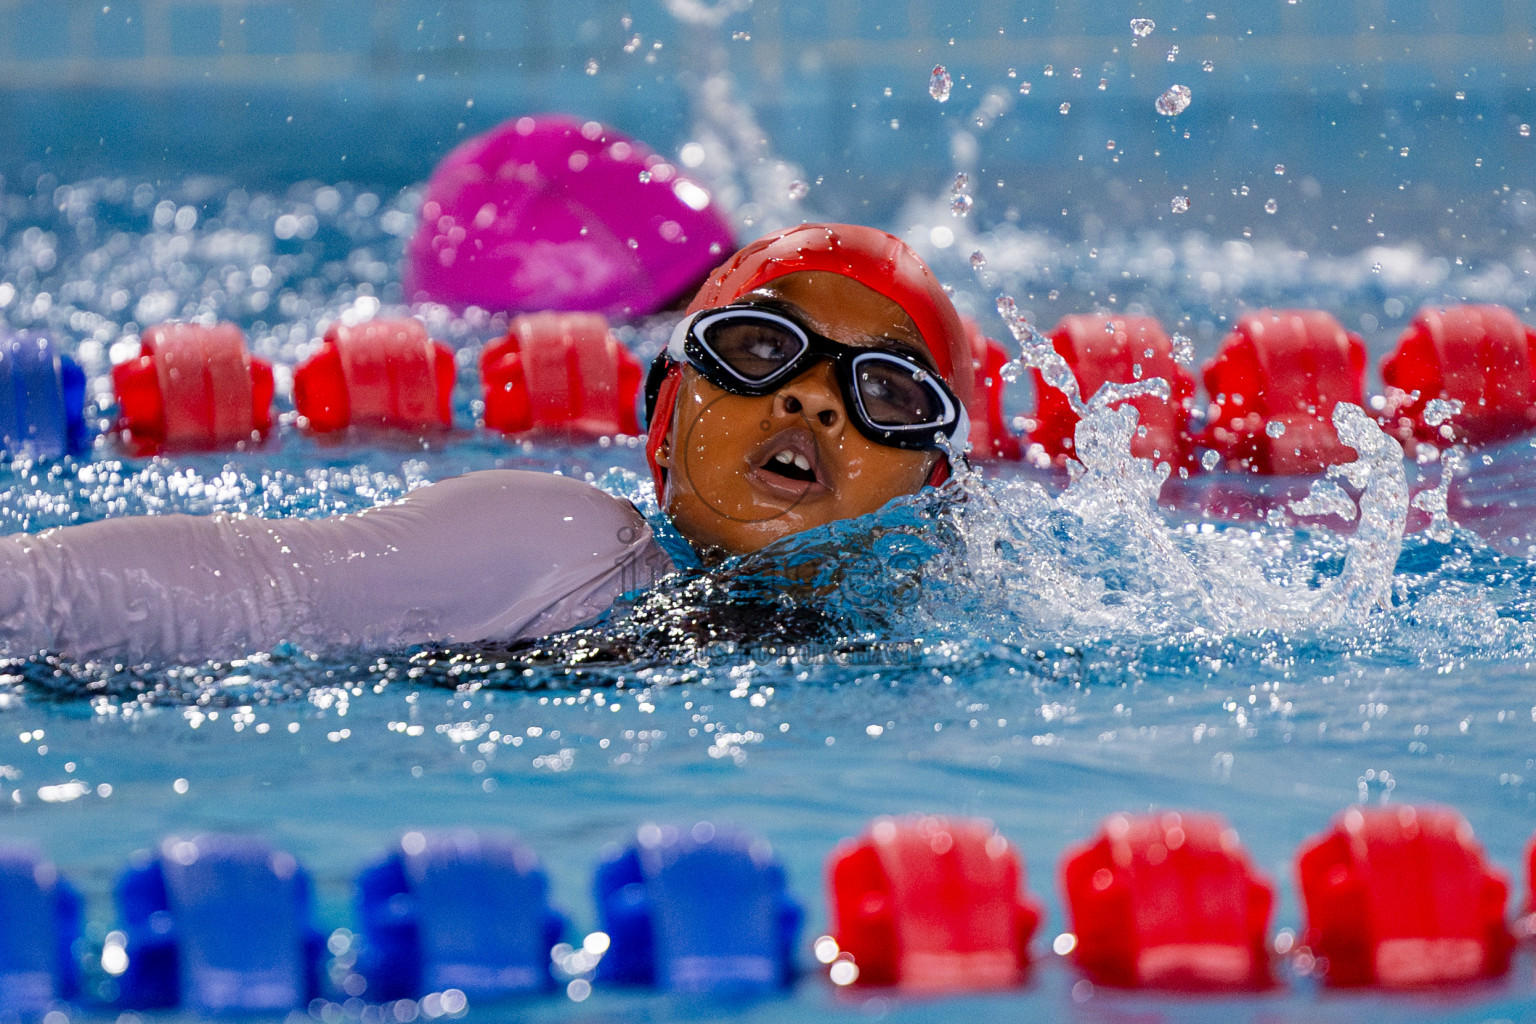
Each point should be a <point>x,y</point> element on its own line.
<point>817,375</point>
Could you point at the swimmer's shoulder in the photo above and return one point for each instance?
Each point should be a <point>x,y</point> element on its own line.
<point>528,504</point>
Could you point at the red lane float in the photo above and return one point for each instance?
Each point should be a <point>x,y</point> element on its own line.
<point>1402,897</point>
<point>990,437</point>
<point>383,373</point>
<point>193,386</point>
<point>1119,350</point>
<point>1168,901</point>
<point>1274,382</point>
<point>561,373</point>
<point>1480,356</point>
<point>933,904</point>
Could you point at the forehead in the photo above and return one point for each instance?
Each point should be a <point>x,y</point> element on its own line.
<point>843,309</point>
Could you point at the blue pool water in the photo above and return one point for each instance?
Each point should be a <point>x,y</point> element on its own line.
<point>1065,652</point>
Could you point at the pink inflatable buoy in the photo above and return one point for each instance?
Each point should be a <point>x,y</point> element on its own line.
<point>550,213</point>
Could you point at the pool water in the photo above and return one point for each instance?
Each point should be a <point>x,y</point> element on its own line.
<point>1022,647</point>
<point>1063,652</point>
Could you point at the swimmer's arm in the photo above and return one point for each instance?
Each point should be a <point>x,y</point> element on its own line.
<point>494,555</point>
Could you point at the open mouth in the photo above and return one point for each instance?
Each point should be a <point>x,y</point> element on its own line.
<point>789,466</point>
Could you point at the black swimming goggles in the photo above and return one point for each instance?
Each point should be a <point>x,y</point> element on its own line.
<point>891,398</point>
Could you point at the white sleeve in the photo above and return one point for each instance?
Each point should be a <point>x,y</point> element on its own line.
<point>500,554</point>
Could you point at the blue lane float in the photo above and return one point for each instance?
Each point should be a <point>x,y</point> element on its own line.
<point>702,910</point>
<point>177,944</point>
<point>456,910</point>
<point>42,399</point>
<point>40,920</point>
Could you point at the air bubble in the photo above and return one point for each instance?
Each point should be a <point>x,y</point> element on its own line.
<point>940,84</point>
<point>1174,101</point>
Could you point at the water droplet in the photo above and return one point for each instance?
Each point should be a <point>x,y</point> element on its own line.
<point>1109,143</point>
<point>1180,204</point>
<point>1174,101</point>
<point>1077,72</point>
<point>1024,88</point>
<point>939,84</point>
<point>961,180</point>
<point>1274,428</point>
<point>1142,27</point>
<point>1209,461</point>
<point>592,67</point>
<point>1403,151</point>
<point>1270,206</point>
<point>887,92</point>
<point>1065,108</point>
<point>798,189</point>
<point>633,44</point>
<point>1173,54</point>
<point>743,37</point>
<point>1525,131</point>
<point>1460,95</point>
<point>1375,268</point>
<point>978,261</point>
<point>895,123</point>
<point>1207,65</point>
<point>1103,84</point>
<point>1048,71</point>
<point>960,205</point>
<point>645,177</point>
<point>1279,168</point>
<point>1183,349</point>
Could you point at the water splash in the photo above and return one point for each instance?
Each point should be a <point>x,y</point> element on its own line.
<point>736,157</point>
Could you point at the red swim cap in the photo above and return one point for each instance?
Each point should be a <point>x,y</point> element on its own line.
<point>877,260</point>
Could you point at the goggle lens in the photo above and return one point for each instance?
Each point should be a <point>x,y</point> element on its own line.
<point>753,348</point>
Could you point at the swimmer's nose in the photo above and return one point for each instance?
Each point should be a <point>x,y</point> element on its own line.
<point>815,395</point>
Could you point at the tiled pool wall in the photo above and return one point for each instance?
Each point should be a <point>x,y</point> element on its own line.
<point>377,90</point>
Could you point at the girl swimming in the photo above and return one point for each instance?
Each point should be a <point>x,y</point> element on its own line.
<point>820,373</point>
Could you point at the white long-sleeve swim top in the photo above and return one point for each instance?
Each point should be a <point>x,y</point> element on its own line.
<point>500,554</point>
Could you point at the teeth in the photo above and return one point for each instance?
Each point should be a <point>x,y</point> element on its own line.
<point>784,457</point>
<point>801,462</point>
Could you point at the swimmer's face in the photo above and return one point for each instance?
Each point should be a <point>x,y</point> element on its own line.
<point>730,485</point>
